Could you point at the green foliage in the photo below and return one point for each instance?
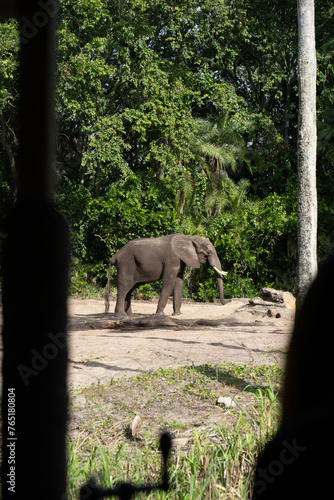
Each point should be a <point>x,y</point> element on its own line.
<point>131,208</point>
<point>9,63</point>
<point>253,246</point>
<point>8,113</point>
<point>219,140</point>
<point>87,279</point>
<point>178,117</point>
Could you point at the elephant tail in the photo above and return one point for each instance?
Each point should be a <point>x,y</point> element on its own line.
<point>107,294</point>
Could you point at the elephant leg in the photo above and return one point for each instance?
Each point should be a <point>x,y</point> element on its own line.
<point>177,296</point>
<point>171,274</point>
<point>128,309</point>
<point>120,303</point>
<point>166,290</point>
<point>178,291</point>
<point>124,288</point>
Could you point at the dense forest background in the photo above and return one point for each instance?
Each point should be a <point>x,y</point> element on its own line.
<point>180,118</point>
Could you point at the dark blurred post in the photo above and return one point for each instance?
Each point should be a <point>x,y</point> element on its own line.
<point>35,263</point>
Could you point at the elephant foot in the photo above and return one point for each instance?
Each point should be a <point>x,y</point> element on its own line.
<point>120,315</point>
<point>160,313</point>
<point>177,313</point>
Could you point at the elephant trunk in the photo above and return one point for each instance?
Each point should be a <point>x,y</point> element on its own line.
<point>221,289</point>
<point>215,263</point>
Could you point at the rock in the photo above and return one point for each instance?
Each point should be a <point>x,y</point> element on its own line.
<point>282,305</point>
<point>273,314</point>
<point>289,300</point>
<point>135,425</point>
<point>257,301</point>
<point>225,402</point>
<point>272,295</point>
<point>278,297</point>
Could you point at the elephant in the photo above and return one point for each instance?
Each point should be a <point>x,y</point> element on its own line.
<point>145,260</point>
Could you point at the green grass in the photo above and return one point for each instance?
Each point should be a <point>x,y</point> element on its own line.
<point>218,450</point>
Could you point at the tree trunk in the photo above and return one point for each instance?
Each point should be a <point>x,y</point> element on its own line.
<point>307,143</point>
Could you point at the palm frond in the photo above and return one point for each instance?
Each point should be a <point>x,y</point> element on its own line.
<point>218,140</point>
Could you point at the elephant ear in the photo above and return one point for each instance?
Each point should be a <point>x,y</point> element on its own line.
<point>183,247</point>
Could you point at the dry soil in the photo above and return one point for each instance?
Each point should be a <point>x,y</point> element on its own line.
<point>102,348</point>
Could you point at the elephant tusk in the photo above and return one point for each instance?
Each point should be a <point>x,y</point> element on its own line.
<point>222,273</point>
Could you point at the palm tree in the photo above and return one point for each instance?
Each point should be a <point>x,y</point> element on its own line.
<point>225,194</point>
<point>219,147</point>
<point>222,148</point>
<point>219,144</point>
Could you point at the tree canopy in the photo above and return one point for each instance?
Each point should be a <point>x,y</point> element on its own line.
<point>181,117</point>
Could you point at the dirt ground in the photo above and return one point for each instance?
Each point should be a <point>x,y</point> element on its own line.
<point>102,348</point>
